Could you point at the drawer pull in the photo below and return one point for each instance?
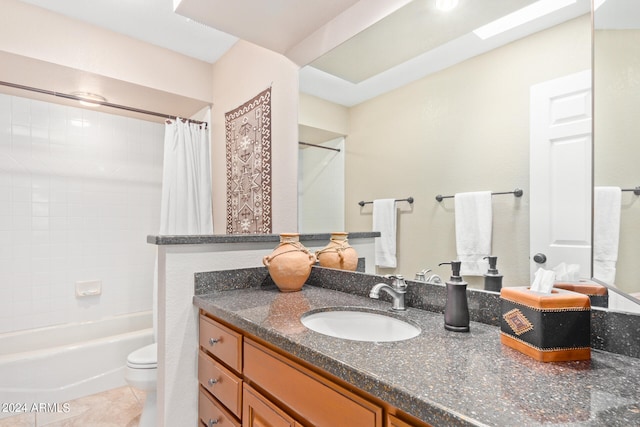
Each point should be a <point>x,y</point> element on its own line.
<point>212,422</point>
<point>212,382</point>
<point>213,341</point>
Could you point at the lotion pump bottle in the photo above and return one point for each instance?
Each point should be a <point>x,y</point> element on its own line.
<point>456,311</point>
<point>493,279</point>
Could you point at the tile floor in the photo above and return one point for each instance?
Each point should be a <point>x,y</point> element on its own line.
<point>120,407</point>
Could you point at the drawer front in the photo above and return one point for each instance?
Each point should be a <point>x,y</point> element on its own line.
<point>211,414</point>
<point>223,384</point>
<point>318,401</point>
<point>222,342</point>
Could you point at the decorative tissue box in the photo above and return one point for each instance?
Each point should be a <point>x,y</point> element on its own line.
<point>552,327</point>
<point>598,294</point>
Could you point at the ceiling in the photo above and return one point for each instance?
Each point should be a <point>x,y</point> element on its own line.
<point>407,45</point>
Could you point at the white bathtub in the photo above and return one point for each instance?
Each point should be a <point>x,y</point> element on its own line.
<point>60,363</point>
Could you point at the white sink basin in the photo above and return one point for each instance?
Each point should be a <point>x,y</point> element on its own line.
<point>359,325</point>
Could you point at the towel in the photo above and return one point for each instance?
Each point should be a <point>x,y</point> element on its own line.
<point>606,232</point>
<point>384,221</point>
<point>474,221</point>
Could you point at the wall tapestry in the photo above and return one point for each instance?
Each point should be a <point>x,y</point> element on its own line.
<point>248,136</point>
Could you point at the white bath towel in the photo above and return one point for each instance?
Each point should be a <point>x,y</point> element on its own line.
<point>474,221</point>
<point>384,221</point>
<point>606,232</point>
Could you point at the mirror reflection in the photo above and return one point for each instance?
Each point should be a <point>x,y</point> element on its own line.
<point>453,117</point>
<point>617,97</point>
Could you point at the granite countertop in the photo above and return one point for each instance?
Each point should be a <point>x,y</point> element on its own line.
<point>245,238</point>
<point>441,377</point>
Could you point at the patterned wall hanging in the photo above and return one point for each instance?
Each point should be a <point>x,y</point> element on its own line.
<point>248,140</point>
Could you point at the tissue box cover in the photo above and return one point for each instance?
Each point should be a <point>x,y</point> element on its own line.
<point>552,327</point>
<point>598,294</point>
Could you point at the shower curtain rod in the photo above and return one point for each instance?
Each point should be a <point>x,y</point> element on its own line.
<point>105,104</point>
<point>319,146</point>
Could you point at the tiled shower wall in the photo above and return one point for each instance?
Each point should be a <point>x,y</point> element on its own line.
<point>79,193</point>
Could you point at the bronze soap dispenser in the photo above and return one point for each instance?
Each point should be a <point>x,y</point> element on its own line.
<point>456,310</point>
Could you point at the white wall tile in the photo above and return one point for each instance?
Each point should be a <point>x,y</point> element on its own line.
<point>78,197</point>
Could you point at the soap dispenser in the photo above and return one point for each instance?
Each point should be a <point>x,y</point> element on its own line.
<point>456,310</point>
<point>493,279</point>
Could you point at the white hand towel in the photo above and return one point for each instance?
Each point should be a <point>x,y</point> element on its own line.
<point>384,221</point>
<point>606,232</point>
<point>474,221</point>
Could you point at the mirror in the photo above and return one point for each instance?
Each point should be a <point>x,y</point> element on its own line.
<point>616,129</point>
<point>451,115</point>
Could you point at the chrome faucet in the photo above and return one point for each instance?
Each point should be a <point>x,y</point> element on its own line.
<point>396,290</point>
<point>433,279</point>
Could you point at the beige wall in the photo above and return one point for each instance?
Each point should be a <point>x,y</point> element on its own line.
<point>243,72</point>
<point>617,91</point>
<point>463,129</point>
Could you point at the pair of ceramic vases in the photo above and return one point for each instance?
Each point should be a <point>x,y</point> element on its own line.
<point>290,262</point>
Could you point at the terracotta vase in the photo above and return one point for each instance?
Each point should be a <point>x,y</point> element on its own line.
<point>338,253</point>
<point>290,263</point>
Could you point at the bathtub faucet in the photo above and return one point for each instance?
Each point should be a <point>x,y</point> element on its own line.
<point>397,290</point>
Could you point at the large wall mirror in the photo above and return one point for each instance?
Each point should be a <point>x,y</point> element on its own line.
<point>616,132</point>
<point>434,108</point>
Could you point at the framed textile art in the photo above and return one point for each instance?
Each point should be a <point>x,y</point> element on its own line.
<point>248,143</point>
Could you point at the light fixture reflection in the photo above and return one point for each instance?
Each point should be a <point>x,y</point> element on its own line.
<point>520,17</point>
<point>446,5</point>
<point>89,99</point>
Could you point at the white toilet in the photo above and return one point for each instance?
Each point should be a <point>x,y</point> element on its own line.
<point>142,373</point>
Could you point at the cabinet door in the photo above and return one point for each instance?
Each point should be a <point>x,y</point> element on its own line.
<point>317,400</point>
<point>259,412</point>
<point>393,421</point>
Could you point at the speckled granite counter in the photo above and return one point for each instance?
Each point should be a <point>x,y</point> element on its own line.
<point>442,377</point>
<point>246,238</point>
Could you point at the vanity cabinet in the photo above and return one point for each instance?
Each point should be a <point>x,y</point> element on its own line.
<point>244,381</point>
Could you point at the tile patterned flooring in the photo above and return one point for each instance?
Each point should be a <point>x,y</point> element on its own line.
<point>120,407</point>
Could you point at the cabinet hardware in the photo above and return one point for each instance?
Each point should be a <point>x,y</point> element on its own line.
<point>212,422</point>
<point>213,341</point>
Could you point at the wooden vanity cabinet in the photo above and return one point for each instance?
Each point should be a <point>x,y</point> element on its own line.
<point>244,381</point>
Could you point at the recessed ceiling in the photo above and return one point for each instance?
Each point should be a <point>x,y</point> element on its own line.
<point>412,30</point>
<point>275,24</point>
<point>401,51</point>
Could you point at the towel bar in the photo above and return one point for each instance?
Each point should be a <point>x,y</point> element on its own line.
<point>517,192</point>
<point>408,199</point>
<point>636,190</point>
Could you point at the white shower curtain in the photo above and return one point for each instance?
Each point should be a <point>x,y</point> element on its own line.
<point>186,180</point>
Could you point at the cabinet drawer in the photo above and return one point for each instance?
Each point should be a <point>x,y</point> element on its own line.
<point>318,401</point>
<point>222,342</point>
<point>211,413</point>
<point>223,384</point>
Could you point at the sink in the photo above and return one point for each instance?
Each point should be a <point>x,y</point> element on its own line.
<point>359,325</point>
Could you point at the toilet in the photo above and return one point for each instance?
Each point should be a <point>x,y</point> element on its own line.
<point>142,373</point>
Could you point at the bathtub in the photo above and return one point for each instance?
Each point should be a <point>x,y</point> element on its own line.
<point>60,363</point>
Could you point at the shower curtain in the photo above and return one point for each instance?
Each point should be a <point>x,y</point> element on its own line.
<point>186,188</point>
<point>186,180</point>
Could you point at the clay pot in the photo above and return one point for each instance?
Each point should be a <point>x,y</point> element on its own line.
<point>338,254</point>
<point>290,263</point>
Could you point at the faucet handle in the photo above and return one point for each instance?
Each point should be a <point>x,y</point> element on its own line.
<point>421,276</point>
<point>398,281</point>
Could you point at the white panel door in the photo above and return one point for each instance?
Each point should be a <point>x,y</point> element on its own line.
<point>560,172</point>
